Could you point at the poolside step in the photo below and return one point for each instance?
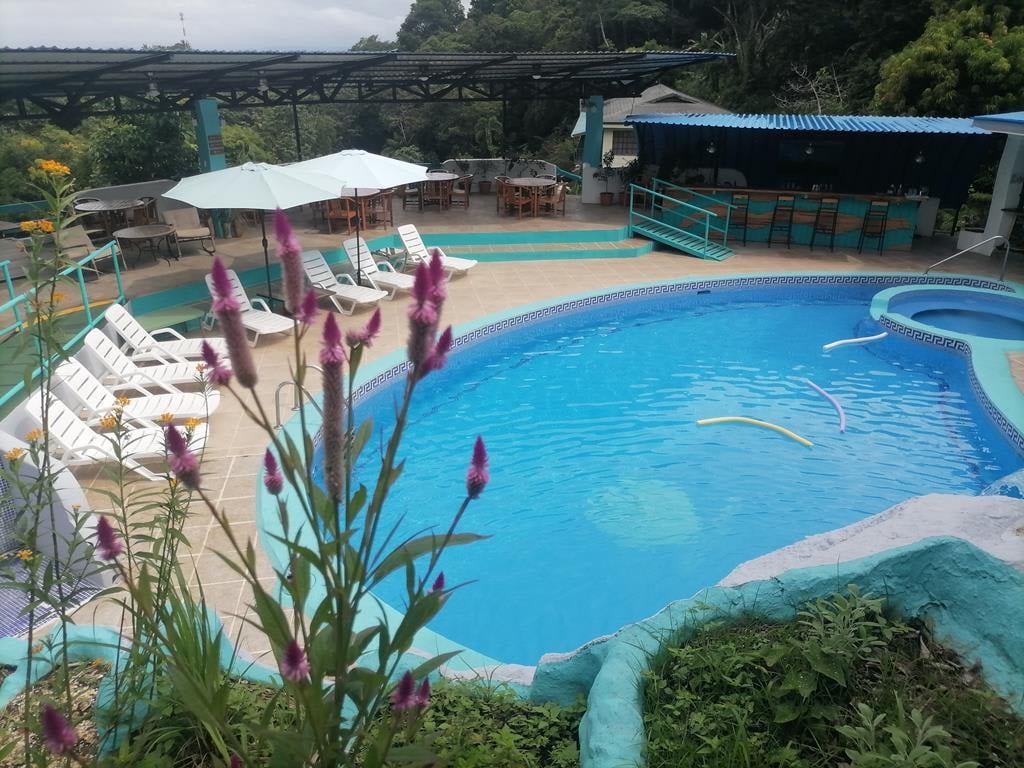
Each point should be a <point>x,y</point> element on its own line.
<point>609,249</point>
<point>683,240</point>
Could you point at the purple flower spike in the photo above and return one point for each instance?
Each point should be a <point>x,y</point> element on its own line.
<point>439,354</point>
<point>108,544</point>
<point>225,307</point>
<point>332,357</point>
<point>438,288</point>
<point>60,737</point>
<point>223,300</point>
<point>478,476</point>
<point>290,253</point>
<point>216,370</point>
<point>404,696</point>
<point>367,333</point>
<point>294,664</point>
<point>438,583</point>
<point>236,761</point>
<point>273,480</point>
<point>423,694</point>
<point>308,311</point>
<point>331,352</point>
<point>183,462</point>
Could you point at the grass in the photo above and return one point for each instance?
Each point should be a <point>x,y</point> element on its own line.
<point>842,685</point>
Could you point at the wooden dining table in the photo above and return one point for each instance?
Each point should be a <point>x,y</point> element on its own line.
<point>437,189</point>
<point>533,186</point>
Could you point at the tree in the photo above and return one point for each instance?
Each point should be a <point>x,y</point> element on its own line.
<point>427,18</point>
<point>374,43</point>
<point>19,149</point>
<point>968,61</point>
<point>141,148</point>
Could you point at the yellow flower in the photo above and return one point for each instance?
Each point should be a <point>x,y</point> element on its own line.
<point>52,166</point>
<point>173,482</point>
<point>123,401</point>
<point>166,418</point>
<point>200,367</point>
<point>14,454</point>
<point>57,297</point>
<point>36,225</point>
<point>192,423</point>
<point>34,435</point>
<point>24,555</point>
<point>109,421</point>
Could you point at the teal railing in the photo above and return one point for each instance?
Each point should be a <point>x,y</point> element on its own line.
<point>17,306</point>
<point>660,185</point>
<point>655,213</point>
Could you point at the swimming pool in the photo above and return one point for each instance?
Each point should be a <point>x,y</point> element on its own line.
<point>607,501</point>
<point>971,313</point>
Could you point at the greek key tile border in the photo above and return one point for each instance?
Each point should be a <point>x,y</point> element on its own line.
<point>695,286</point>
<point>945,342</point>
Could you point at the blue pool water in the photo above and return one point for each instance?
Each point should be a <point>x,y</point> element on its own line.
<point>607,501</point>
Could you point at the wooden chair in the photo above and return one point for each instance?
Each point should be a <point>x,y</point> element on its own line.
<point>548,198</point>
<point>438,193</point>
<point>825,221</point>
<point>520,198</point>
<point>740,215</point>
<point>341,209</point>
<point>500,185</point>
<point>782,219</point>
<point>411,193</point>
<point>144,215</point>
<point>460,190</point>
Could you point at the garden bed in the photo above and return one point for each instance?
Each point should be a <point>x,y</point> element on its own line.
<point>842,684</point>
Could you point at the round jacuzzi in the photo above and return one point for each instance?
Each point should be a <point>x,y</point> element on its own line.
<point>986,314</point>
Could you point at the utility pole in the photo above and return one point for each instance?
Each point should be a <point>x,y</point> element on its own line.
<point>184,34</point>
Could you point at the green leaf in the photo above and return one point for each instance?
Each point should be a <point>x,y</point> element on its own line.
<point>786,711</point>
<point>410,550</point>
<point>827,664</point>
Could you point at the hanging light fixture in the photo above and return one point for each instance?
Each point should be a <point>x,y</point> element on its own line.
<point>809,149</point>
<point>711,148</point>
<point>919,157</point>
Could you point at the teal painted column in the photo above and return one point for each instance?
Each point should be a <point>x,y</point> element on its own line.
<point>593,142</point>
<point>594,137</point>
<point>211,149</point>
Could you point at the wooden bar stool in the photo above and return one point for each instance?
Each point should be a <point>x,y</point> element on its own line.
<point>782,218</point>
<point>740,213</point>
<point>873,226</point>
<point>825,221</point>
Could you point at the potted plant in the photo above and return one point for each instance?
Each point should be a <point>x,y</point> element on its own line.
<point>605,173</point>
<point>629,174</point>
<point>484,166</point>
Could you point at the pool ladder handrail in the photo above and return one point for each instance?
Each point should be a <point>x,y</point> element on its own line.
<point>296,403</point>
<point>1006,255</point>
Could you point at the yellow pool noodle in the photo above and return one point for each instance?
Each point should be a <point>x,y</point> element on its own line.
<point>757,423</point>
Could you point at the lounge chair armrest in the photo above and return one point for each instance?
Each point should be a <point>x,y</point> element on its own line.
<point>261,302</point>
<point>345,277</point>
<point>386,266</point>
<point>169,332</point>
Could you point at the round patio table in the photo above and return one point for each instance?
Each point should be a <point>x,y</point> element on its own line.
<point>150,234</point>
<point>437,189</point>
<point>441,176</point>
<point>107,206</point>
<point>530,181</point>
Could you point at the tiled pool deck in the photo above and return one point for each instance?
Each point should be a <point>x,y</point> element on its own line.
<point>236,446</point>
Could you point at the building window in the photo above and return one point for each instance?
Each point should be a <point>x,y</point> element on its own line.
<point>624,143</point>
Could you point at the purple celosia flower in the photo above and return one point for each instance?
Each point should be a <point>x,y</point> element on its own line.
<point>108,544</point>
<point>273,480</point>
<point>477,477</point>
<point>332,358</point>
<point>423,694</point>
<point>423,317</point>
<point>290,253</point>
<point>308,311</point>
<point>58,734</point>
<point>216,371</point>
<point>438,281</point>
<point>404,695</point>
<point>439,354</point>
<point>438,583</point>
<point>225,307</point>
<point>294,664</point>
<point>182,461</point>
<point>236,761</point>
<point>367,333</point>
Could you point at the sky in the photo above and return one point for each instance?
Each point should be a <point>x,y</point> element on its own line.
<point>327,25</point>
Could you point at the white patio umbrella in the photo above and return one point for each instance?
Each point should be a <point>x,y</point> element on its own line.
<point>357,169</point>
<point>257,186</point>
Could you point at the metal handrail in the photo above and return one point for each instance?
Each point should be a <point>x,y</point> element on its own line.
<point>693,192</point>
<point>297,404</point>
<point>1006,255</point>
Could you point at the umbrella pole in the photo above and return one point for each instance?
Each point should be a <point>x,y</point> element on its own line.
<point>266,253</point>
<point>359,251</point>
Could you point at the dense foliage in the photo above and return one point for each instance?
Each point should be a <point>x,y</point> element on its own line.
<point>927,57</point>
<point>843,683</point>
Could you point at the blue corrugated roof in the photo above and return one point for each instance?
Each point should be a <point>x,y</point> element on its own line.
<point>1005,117</point>
<point>839,123</point>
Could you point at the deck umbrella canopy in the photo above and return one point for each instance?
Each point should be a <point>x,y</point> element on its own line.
<point>66,85</point>
<point>854,154</point>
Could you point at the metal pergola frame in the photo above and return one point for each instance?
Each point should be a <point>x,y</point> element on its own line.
<point>67,85</point>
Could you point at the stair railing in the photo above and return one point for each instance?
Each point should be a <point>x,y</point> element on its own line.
<point>722,229</point>
<point>698,216</point>
<point>1006,255</point>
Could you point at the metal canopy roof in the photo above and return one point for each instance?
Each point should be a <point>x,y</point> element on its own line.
<point>68,84</point>
<point>836,123</point>
<point>1007,122</point>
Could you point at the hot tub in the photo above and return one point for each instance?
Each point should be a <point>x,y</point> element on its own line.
<point>985,314</point>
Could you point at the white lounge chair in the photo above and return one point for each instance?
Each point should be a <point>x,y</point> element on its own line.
<point>76,382</point>
<point>143,346</point>
<point>417,252</point>
<point>346,296</point>
<point>123,373</point>
<point>75,443</point>
<point>381,276</point>
<point>257,321</point>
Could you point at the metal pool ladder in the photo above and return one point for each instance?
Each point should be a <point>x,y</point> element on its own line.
<point>296,402</point>
<point>1006,255</point>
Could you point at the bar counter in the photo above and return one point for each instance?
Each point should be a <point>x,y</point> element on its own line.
<point>899,228</point>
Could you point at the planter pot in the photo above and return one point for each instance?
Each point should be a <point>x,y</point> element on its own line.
<point>623,197</point>
<point>485,187</point>
<point>607,198</point>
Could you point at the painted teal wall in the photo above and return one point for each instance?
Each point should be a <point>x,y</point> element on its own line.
<point>593,138</point>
